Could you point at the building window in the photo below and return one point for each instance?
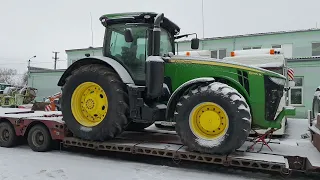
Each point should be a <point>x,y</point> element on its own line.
<point>316,49</point>
<point>221,53</point>
<point>254,47</point>
<point>214,54</point>
<point>296,92</point>
<point>276,46</point>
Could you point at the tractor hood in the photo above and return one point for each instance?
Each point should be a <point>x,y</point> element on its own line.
<point>223,63</point>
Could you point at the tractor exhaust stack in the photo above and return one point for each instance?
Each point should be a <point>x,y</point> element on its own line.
<point>155,64</point>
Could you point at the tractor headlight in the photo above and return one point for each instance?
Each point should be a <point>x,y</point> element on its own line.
<point>278,81</point>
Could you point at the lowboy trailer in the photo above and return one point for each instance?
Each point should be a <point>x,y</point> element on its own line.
<point>42,129</point>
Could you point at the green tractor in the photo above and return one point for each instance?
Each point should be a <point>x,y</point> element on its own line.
<point>139,81</point>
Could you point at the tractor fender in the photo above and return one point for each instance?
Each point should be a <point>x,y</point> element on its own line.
<point>173,100</point>
<point>115,65</point>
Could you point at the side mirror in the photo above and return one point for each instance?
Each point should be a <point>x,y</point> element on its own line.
<point>128,35</point>
<point>195,43</point>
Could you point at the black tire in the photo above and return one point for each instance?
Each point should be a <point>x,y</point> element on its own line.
<point>8,137</point>
<point>116,119</point>
<point>39,138</point>
<point>237,111</point>
<point>316,104</point>
<point>132,126</point>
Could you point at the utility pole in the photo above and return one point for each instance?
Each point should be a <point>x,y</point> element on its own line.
<point>29,61</point>
<point>55,59</point>
<point>202,18</point>
<point>202,12</point>
<point>91,30</point>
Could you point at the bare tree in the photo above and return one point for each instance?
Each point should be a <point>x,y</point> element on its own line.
<point>7,75</point>
<point>24,79</point>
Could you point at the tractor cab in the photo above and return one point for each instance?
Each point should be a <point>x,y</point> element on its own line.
<point>129,40</point>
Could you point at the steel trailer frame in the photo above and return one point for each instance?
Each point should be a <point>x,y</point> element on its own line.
<point>167,144</point>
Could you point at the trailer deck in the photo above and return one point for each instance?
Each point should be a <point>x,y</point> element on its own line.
<point>284,157</point>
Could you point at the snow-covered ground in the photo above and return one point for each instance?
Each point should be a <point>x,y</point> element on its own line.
<point>21,163</point>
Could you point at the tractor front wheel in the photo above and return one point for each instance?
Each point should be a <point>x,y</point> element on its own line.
<point>94,103</point>
<point>213,119</point>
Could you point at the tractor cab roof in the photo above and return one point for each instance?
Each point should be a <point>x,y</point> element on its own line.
<point>138,17</point>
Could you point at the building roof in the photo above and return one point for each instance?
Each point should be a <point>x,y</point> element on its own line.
<point>301,59</point>
<point>44,70</point>
<point>222,37</point>
<point>258,34</point>
<point>81,49</point>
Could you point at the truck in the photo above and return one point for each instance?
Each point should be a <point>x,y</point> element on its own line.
<point>272,59</point>
<point>107,102</point>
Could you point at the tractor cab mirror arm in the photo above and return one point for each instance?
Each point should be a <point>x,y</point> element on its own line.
<point>194,41</point>
<point>128,35</point>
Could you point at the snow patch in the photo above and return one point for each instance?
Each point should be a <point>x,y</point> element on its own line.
<point>235,97</point>
<point>227,90</point>
<point>215,86</point>
<point>85,129</point>
<point>161,106</point>
<point>244,108</point>
<point>246,119</point>
<point>210,143</point>
<point>274,64</point>
<point>194,91</point>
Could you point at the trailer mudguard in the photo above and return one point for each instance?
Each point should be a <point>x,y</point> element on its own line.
<point>179,91</point>
<point>119,68</point>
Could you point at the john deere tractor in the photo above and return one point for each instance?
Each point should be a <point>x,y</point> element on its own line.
<point>139,80</point>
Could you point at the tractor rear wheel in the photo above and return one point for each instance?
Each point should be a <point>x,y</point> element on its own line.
<point>95,103</point>
<point>213,119</point>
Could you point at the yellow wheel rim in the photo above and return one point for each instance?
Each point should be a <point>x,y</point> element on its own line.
<point>208,121</point>
<point>89,104</point>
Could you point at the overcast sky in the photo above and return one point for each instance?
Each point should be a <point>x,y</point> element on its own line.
<point>38,27</point>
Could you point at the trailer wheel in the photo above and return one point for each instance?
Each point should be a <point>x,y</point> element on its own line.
<point>8,137</point>
<point>94,103</point>
<point>39,138</point>
<point>213,119</point>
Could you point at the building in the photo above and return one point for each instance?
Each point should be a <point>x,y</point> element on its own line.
<point>45,80</point>
<point>75,54</point>
<point>298,43</point>
<point>307,70</point>
<point>302,48</point>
